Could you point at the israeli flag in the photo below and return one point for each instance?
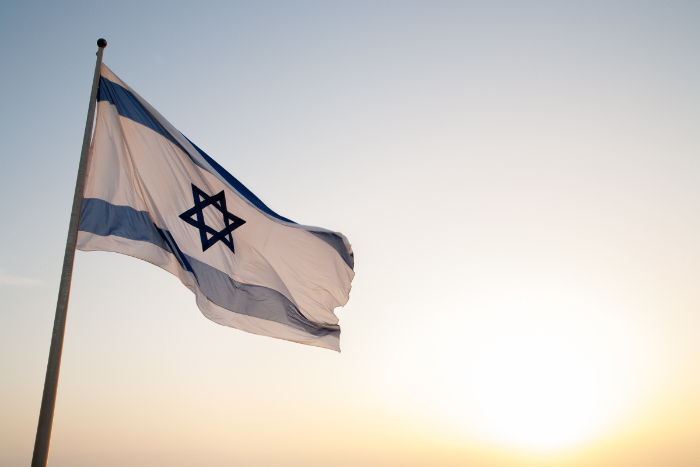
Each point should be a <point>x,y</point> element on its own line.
<point>152,194</point>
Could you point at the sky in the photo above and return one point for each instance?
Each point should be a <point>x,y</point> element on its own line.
<point>519,181</point>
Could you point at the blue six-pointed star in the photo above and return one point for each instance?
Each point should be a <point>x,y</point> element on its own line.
<point>218,201</point>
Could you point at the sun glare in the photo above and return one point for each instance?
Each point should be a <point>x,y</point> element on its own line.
<point>536,390</point>
<point>542,377</point>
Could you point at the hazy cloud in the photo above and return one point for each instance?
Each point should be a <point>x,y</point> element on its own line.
<point>17,281</point>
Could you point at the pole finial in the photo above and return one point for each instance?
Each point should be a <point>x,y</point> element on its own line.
<point>101,43</point>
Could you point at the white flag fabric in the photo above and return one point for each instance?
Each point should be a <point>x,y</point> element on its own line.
<point>152,194</point>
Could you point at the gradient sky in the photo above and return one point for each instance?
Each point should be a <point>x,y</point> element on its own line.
<point>519,181</point>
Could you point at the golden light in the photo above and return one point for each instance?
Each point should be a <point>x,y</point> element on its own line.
<point>538,373</point>
<point>537,390</point>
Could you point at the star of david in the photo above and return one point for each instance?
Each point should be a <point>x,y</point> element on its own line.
<point>195,217</point>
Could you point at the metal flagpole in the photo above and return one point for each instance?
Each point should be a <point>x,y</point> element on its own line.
<point>48,399</point>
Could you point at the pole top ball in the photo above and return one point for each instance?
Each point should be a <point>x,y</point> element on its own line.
<point>101,43</point>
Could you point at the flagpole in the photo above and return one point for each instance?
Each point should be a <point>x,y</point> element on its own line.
<point>48,399</point>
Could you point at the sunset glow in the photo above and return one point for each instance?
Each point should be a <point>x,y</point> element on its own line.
<point>519,182</point>
<point>542,373</point>
<point>538,390</point>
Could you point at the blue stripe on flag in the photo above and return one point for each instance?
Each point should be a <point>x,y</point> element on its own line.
<point>245,192</point>
<point>335,241</point>
<point>128,106</point>
<point>102,218</point>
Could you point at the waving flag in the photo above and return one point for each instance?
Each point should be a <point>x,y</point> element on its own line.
<point>152,194</point>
